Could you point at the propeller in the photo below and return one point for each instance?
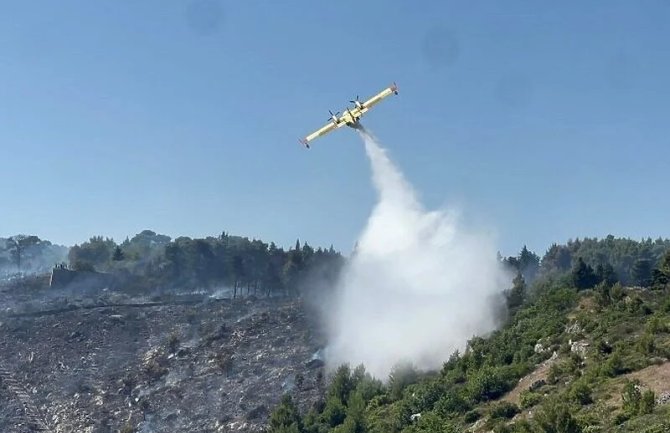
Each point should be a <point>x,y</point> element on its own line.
<point>333,115</point>
<point>356,100</point>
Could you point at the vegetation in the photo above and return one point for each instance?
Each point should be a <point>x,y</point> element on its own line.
<point>579,327</point>
<point>27,254</point>
<point>586,321</point>
<point>150,259</point>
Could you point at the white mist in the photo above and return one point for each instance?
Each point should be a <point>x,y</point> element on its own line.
<point>418,286</point>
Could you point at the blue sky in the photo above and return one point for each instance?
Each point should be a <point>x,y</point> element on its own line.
<point>542,121</point>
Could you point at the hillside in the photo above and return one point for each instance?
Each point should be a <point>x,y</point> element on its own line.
<point>577,351</point>
<point>566,361</point>
<point>194,363</point>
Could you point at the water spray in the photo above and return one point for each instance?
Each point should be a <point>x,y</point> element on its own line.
<point>419,284</point>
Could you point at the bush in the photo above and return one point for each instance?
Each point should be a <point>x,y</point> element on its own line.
<point>647,402</point>
<point>646,344</point>
<point>522,426</point>
<point>504,410</point>
<point>529,399</point>
<point>617,292</point>
<point>656,325</point>
<point>472,416</point>
<point>451,403</point>
<point>488,384</point>
<point>154,369</point>
<point>666,306</point>
<point>621,418</point>
<point>556,417</point>
<point>581,393</point>
<point>334,412</point>
<point>555,373</point>
<point>401,376</point>
<point>173,342</point>
<point>631,397</point>
<point>614,365</point>
<point>83,266</point>
<point>603,347</point>
<point>286,417</point>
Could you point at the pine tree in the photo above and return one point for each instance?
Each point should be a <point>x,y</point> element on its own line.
<point>118,255</point>
<point>517,293</point>
<point>642,272</point>
<point>606,274</point>
<point>286,419</point>
<point>583,276</point>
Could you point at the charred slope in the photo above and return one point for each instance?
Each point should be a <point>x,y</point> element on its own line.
<point>212,366</point>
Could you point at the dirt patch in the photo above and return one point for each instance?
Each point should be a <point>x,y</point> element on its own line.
<point>536,376</point>
<point>654,377</point>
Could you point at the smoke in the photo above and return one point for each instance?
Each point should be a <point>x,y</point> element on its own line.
<point>418,285</point>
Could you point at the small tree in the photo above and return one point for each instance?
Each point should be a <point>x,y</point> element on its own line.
<point>118,255</point>
<point>529,263</point>
<point>631,397</point>
<point>583,276</point>
<point>18,245</point>
<point>603,296</point>
<point>555,417</point>
<point>581,393</point>
<point>401,376</point>
<point>83,266</point>
<point>517,294</point>
<point>647,402</point>
<point>661,275</point>
<point>286,419</point>
<point>606,274</point>
<point>641,272</point>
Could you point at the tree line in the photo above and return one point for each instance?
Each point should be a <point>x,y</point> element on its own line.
<point>243,264</point>
<point>28,254</point>
<point>589,261</point>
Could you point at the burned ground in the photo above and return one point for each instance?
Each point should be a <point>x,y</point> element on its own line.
<point>197,364</point>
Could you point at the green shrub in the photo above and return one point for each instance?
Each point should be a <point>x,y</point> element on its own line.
<point>580,392</point>
<point>488,384</point>
<point>646,344</point>
<point>631,397</point>
<point>451,403</point>
<point>502,428</point>
<point>334,412</point>
<point>529,399</point>
<point>617,292</point>
<point>503,409</point>
<point>647,402</point>
<point>522,426</point>
<point>656,325</point>
<point>472,416</point>
<point>401,376</point>
<point>285,417</point>
<point>666,306</point>
<point>556,417</point>
<point>621,418</point>
<point>614,365</point>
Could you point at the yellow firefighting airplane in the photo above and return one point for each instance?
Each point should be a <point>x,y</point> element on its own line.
<point>351,116</point>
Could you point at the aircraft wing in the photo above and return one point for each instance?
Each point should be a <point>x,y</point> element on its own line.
<point>380,96</point>
<point>322,131</point>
